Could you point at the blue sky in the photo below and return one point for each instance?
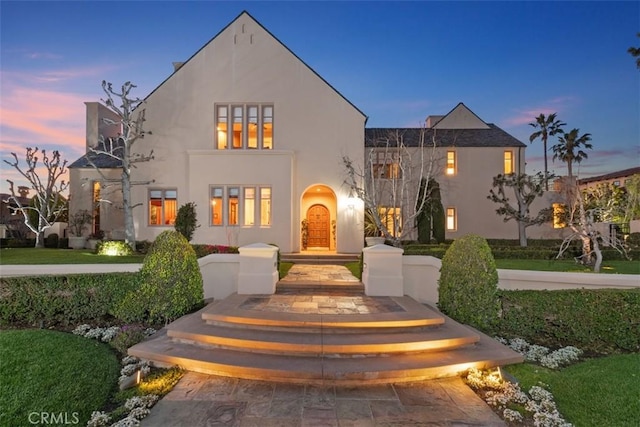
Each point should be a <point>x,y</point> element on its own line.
<point>398,62</point>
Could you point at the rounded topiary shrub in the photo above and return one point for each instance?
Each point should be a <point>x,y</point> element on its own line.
<point>468,285</point>
<point>171,279</point>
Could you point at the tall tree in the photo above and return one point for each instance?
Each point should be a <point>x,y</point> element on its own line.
<point>635,52</point>
<point>525,189</point>
<point>570,148</point>
<point>547,126</point>
<point>389,183</point>
<point>131,120</point>
<point>48,203</point>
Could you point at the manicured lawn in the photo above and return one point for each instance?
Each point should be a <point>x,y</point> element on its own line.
<point>597,392</point>
<point>53,372</point>
<point>619,267</point>
<point>15,256</point>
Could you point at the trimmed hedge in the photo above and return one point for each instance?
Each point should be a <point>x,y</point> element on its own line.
<point>46,301</point>
<point>598,321</point>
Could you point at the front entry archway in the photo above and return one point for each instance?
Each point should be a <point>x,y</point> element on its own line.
<point>319,231</point>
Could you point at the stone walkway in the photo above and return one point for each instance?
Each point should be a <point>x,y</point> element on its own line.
<point>209,400</point>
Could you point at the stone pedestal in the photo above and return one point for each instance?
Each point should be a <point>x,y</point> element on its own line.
<point>258,271</point>
<point>382,273</point>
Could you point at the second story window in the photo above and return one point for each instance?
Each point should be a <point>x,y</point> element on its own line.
<point>244,127</point>
<point>451,163</point>
<point>386,165</point>
<point>508,162</point>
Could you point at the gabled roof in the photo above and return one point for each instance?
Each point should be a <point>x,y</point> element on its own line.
<point>244,12</point>
<point>100,160</point>
<point>493,136</point>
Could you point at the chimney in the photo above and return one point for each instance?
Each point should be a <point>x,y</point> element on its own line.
<point>23,191</point>
<point>432,120</point>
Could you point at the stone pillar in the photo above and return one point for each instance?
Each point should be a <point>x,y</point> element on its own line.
<point>258,272</point>
<point>382,273</point>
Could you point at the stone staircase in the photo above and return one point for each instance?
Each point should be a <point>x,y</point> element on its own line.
<point>319,257</point>
<point>337,337</point>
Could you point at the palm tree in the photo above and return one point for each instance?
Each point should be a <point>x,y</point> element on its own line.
<point>569,148</point>
<point>548,126</point>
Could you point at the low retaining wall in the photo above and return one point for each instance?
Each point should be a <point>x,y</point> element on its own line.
<point>421,274</point>
<point>219,275</point>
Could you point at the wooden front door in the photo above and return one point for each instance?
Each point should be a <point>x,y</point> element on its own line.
<point>319,231</point>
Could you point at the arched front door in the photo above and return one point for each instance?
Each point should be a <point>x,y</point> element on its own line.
<point>319,230</point>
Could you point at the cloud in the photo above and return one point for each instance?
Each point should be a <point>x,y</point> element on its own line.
<point>526,115</point>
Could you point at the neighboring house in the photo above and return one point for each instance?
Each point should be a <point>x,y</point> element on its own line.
<point>250,134</point>
<point>255,138</point>
<point>618,178</point>
<point>12,221</point>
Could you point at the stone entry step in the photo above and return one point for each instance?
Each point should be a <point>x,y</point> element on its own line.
<point>289,338</point>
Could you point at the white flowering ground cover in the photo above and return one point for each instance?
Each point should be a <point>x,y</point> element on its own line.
<point>598,392</point>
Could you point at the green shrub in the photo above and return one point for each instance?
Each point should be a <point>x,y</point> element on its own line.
<point>171,279</point>
<point>129,335</point>
<point>633,240</point>
<point>468,283</point>
<point>597,321</point>
<point>143,246</point>
<point>186,220</point>
<point>113,248</point>
<point>45,301</point>
<point>204,250</point>
<point>51,241</point>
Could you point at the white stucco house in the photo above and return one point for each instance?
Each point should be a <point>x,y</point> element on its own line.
<point>255,138</point>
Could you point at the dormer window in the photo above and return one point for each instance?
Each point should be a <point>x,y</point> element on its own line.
<point>251,127</point>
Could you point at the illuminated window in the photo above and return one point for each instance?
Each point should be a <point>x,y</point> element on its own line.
<point>508,162</point>
<point>221,127</point>
<point>216,205</point>
<point>96,207</point>
<point>267,128</point>
<point>249,206</point>
<point>237,127</point>
<point>252,131</point>
<point>451,219</point>
<point>265,206</point>
<point>163,207</point>
<point>234,197</point>
<point>386,165</point>
<point>559,215</point>
<point>244,127</point>
<point>391,218</point>
<point>451,163</point>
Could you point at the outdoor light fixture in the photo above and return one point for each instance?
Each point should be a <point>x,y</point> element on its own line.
<point>351,201</point>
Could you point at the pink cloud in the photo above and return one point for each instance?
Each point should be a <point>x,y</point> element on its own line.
<point>527,115</point>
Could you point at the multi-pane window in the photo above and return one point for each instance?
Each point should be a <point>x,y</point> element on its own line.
<point>163,207</point>
<point>386,165</point>
<point>235,205</point>
<point>559,215</point>
<point>244,126</point>
<point>451,219</point>
<point>451,163</point>
<point>216,205</point>
<point>391,218</point>
<point>222,118</point>
<point>265,206</point>
<point>508,162</point>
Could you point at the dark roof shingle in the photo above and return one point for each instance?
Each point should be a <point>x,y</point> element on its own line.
<point>492,137</point>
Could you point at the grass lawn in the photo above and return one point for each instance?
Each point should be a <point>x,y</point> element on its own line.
<point>14,256</point>
<point>619,267</point>
<point>597,392</point>
<point>53,372</point>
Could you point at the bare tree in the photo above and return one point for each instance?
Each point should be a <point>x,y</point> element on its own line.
<point>131,120</point>
<point>389,184</point>
<point>48,203</point>
<point>582,223</point>
<point>526,188</point>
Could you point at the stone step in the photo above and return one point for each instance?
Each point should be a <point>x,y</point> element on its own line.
<point>319,258</point>
<point>163,351</point>
<point>192,330</point>
<point>315,288</point>
<point>240,311</point>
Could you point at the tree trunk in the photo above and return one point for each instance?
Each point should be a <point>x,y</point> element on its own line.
<point>39,239</point>
<point>522,234</point>
<point>598,262</point>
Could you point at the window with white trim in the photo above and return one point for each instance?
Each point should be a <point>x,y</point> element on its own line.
<point>240,205</point>
<point>163,207</point>
<point>451,163</point>
<point>386,165</point>
<point>452,219</point>
<point>246,126</point>
<point>508,162</point>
